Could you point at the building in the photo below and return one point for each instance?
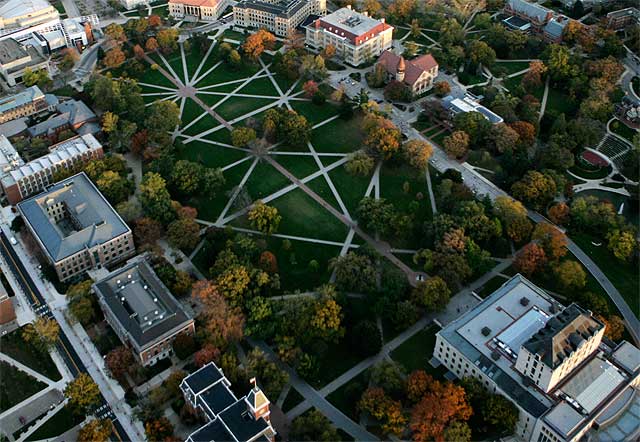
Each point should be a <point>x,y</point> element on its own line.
<point>75,32</point>
<point>76,227</point>
<point>469,104</point>
<point>538,16</point>
<point>357,37</point>
<point>551,361</point>
<point>26,103</point>
<point>228,418</point>
<point>7,312</point>
<point>278,16</point>
<point>15,58</point>
<point>21,13</point>
<point>197,10</point>
<point>130,4</point>
<point>25,180</point>
<point>142,311</point>
<point>417,74</point>
<point>9,157</point>
<point>70,114</point>
<point>554,29</point>
<point>623,18</point>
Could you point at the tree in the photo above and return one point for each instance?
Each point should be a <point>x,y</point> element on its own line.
<point>533,78</point>
<point>326,320</point>
<point>443,404</point>
<point>82,309</point>
<point>535,188</point>
<point>622,243</point>
<point>500,413</point>
<point>514,216</point>
<point>614,327</point>
<point>206,354</point>
<point>359,163</point>
<point>39,77</point>
<point>115,33</point>
<point>354,272</point>
<point>155,199</point>
<point>474,124</point>
<point>158,430</point>
<point>96,430</point>
<point>480,53</point>
<point>382,408</point>
<point>552,240</point>
<point>119,361</point>
<point>242,136</point>
<point>442,88</point>
<point>42,333</point>
<point>147,231</point>
<point>526,132</point>
<point>186,176</point>
<point>366,339</point>
<point>264,218</point>
<point>417,153</point>
<point>183,233</point>
<point>212,180</point>
<point>256,43</point>
<point>155,20</point>
<point>373,7</point>
<point>376,214</point>
<point>268,374</point>
<point>83,393</point>
<point>457,431</point>
<point>559,63</point>
<point>313,426</point>
<point>504,138</point>
<point>432,294</point>
<point>382,136</point>
<point>559,213</point>
<point>109,122</point>
<point>151,45</point>
<point>570,275</point>
<point>328,52</point>
<point>530,259</point>
<point>417,385</point>
<point>457,144</point>
<point>310,88</point>
<point>114,58</point>
<point>168,39</point>
<point>162,116</point>
<point>222,323</point>
<point>397,91</point>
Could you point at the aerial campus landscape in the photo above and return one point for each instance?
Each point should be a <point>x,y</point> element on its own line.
<point>319,220</point>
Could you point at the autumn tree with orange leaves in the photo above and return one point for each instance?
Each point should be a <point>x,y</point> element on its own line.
<point>417,385</point>
<point>256,43</point>
<point>383,137</point>
<point>442,404</point>
<point>552,240</point>
<point>530,259</point>
<point>384,409</point>
<point>222,323</point>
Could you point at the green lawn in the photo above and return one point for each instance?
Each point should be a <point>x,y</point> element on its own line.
<point>260,86</point>
<point>415,352</point>
<point>491,286</point>
<point>16,386</point>
<point>624,276</point>
<point>319,185</point>
<point>293,264</point>
<point>511,67</point>
<point>338,359</point>
<point>560,103</point>
<point>303,216</point>
<point>392,181</point>
<point>59,423</point>
<point>346,397</point>
<point>299,166</point>
<point>265,180</point>
<point>293,398</point>
<point>315,113</point>
<point>203,124</point>
<point>236,107</point>
<point>619,128</point>
<point>351,188</point>
<point>338,136</point>
<point>14,346</point>
<point>208,155</point>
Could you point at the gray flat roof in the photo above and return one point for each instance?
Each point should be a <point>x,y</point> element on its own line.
<point>350,20</point>
<point>93,220</point>
<point>141,303</point>
<point>27,96</point>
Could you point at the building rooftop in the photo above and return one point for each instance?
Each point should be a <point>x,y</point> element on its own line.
<point>555,26</point>
<point>141,303</point>
<point>27,96</point>
<point>353,22</point>
<point>413,68</point>
<point>562,335</point>
<point>70,112</point>
<point>14,127</point>
<point>491,335</point>
<point>467,104</point>
<point>11,50</point>
<point>514,22</point>
<point>281,8</point>
<point>205,3</point>
<point>230,419</point>
<point>18,8</point>
<point>531,10</point>
<point>9,157</point>
<point>89,220</point>
<point>626,12</point>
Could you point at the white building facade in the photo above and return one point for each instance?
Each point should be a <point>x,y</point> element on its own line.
<point>197,10</point>
<point>357,37</point>
<point>278,17</point>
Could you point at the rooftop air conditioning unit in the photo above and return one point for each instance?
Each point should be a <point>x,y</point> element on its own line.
<point>486,331</point>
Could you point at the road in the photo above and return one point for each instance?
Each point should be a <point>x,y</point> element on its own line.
<point>64,347</point>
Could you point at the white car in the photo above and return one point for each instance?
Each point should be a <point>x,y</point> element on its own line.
<point>13,241</point>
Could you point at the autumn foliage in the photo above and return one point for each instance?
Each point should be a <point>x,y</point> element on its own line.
<point>256,43</point>
<point>530,259</point>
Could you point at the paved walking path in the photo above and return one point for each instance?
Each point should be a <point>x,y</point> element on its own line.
<point>543,104</point>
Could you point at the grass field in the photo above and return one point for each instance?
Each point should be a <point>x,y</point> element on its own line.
<point>17,348</point>
<point>59,423</point>
<point>415,352</point>
<point>16,386</point>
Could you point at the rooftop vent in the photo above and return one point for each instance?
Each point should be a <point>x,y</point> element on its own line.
<point>495,355</point>
<point>129,276</point>
<point>145,287</point>
<point>486,331</point>
<point>524,301</point>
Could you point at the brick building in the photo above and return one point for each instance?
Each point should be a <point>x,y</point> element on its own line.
<point>417,74</point>
<point>142,311</point>
<point>76,227</point>
<point>26,103</point>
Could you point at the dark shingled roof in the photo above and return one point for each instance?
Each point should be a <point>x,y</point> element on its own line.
<point>241,423</point>
<point>203,378</point>
<point>563,334</point>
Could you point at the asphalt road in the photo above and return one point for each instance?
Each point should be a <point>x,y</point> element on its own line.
<point>65,349</point>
